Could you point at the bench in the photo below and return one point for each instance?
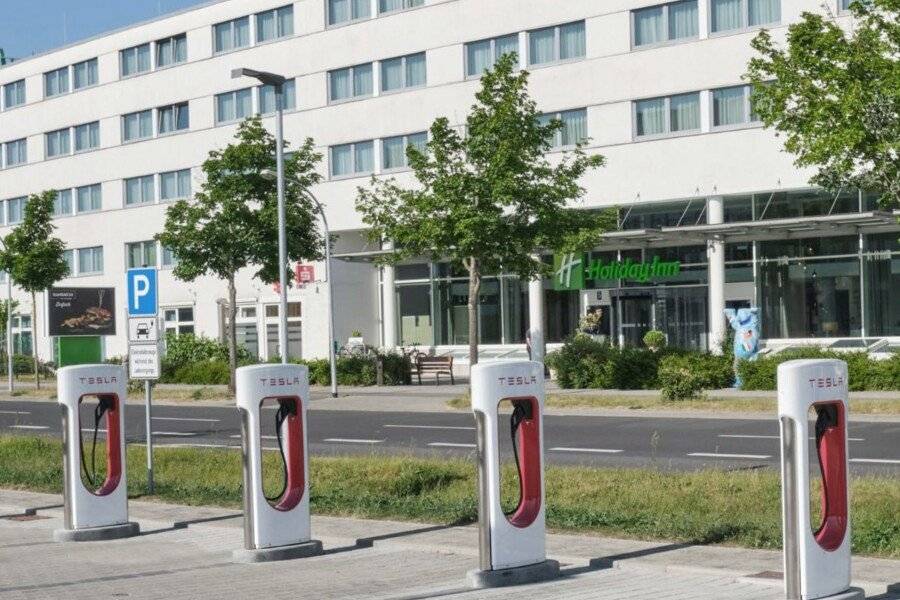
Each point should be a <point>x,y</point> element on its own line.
<point>437,365</point>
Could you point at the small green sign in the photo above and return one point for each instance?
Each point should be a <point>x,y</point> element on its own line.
<point>570,271</point>
<point>79,350</point>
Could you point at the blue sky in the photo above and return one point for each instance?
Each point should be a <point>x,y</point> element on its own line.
<point>32,26</point>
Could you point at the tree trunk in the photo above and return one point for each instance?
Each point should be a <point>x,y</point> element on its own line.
<point>474,290</point>
<point>232,333</point>
<point>34,339</point>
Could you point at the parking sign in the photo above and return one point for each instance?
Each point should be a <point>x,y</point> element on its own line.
<point>142,297</point>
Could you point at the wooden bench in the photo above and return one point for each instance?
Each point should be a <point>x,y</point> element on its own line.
<point>434,364</point>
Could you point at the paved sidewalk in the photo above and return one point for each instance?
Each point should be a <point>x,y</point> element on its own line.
<point>184,552</point>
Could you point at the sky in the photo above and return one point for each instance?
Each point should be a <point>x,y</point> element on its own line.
<point>33,26</point>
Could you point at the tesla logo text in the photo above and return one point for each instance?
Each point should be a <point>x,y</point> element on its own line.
<point>517,380</point>
<point>826,382</point>
<point>98,380</point>
<point>279,380</point>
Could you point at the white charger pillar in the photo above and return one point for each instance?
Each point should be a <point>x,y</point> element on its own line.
<point>816,555</point>
<point>536,318</point>
<point>94,510</point>
<point>275,528</point>
<point>511,545</point>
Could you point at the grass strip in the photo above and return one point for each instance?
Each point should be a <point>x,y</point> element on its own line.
<point>738,508</point>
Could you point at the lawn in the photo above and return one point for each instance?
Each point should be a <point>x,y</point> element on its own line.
<point>737,508</point>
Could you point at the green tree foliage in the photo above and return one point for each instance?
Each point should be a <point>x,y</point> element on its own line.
<point>232,223</point>
<point>489,199</point>
<point>34,258</point>
<point>834,93</point>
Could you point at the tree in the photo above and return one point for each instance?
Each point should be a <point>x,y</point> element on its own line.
<point>490,199</point>
<point>233,222</point>
<point>34,258</point>
<point>4,319</point>
<point>835,95</point>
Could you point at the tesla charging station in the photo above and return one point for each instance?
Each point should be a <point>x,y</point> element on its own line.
<point>816,555</point>
<point>277,527</point>
<point>94,510</point>
<point>511,544</point>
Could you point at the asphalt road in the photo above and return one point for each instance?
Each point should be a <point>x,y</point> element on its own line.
<point>682,444</point>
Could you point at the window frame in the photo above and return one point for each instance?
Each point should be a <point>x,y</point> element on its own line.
<point>21,201</point>
<point>557,135</point>
<point>143,202</point>
<point>174,107</point>
<point>236,119</point>
<point>75,128</point>
<point>745,20</point>
<point>667,110</point>
<point>352,70</point>
<point>405,137</point>
<point>556,45</point>
<point>96,72</point>
<point>144,244</point>
<point>173,39</point>
<point>177,322</point>
<point>140,138</point>
<point>351,20</point>
<point>259,98</point>
<point>59,195</point>
<point>5,158</point>
<point>231,25</point>
<point>24,97</point>
<point>494,57</point>
<point>58,132</point>
<point>76,198</point>
<point>57,72</point>
<point>136,49</point>
<point>748,121</point>
<point>177,173</point>
<point>353,173</point>
<point>380,12</point>
<point>278,34</point>
<point>94,253</point>
<point>405,87</point>
<point>669,41</point>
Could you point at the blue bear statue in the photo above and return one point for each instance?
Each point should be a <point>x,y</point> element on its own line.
<point>745,322</point>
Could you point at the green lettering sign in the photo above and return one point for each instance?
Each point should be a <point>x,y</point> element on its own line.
<point>570,271</point>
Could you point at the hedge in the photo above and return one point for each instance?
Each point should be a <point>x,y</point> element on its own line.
<point>864,373</point>
<point>686,376</point>
<point>585,363</point>
<point>23,364</point>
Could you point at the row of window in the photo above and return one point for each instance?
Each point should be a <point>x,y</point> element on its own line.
<point>402,72</point>
<point>169,119</point>
<point>79,138</point>
<point>730,107</point>
<point>544,46</point>
<point>89,261</point>
<point>238,104</point>
<point>675,21</point>
<point>347,11</point>
<point>269,25</point>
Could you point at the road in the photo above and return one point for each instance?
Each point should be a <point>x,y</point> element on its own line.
<point>680,443</point>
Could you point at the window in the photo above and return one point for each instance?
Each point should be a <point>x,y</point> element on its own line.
<point>90,260</point>
<point>137,126</point>
<point>665,23</point>
<point>275,23</point>
<point>179,321</point>
<point>267,97</point>
<point>56,82</point>
<point>88,198</point>
<point>58,143</point>
<point>844,4</point>
<point>233,106</point>
<point>574,127</point>
<point>552,44</point>
<point>171,51</point>
<point>232,35</point>
<point>139,190</point>
<point>393,149</point>
<point>14,94</point>
<point>728,15</point>
<point>69,257</point>
<point>731,107</point>
<point>662,116</point>
<point>481,56</point>
<point>141,254</point>
<point>62,203</point>
<point>343,11</point>
<point>134,60</point>
<point>168,258</point>
<point>87,136</point>
<point>175,185</point>
<point>386,6</point>
<point>352,82</point>
<point>15,210</point>
<point>403,72</point>
<point>84,74</point>
<point>16,152</point>
<point>173,118</point>
<point>353,159</point>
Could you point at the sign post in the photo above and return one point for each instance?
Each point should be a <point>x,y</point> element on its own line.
<point>143,344</point>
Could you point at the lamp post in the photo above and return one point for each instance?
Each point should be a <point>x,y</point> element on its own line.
<point>9,341</point>
<point>277,82</point>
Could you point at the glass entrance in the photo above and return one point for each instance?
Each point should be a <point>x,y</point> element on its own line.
<point>636,319</point>
<point>678,311</point>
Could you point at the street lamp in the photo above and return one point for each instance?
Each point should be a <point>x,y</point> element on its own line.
<point>9,341</point>
<point>277,81</point>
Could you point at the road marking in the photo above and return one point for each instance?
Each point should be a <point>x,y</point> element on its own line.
<point>772,437</point>
<point>265,437</point>
<point>885,461</point>
<point>596,450</point>
<point>85,429</point>
<point>174,433</point>
<point>185,419</point>
<point>351,441</point>
<point>14,412</point>
<point>201,446</point>
<point>428,427</point>
<point>450,445</point>
<point>29,427</point>
<point>717,455</point>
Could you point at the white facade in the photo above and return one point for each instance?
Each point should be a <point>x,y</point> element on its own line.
<point>606,81</point>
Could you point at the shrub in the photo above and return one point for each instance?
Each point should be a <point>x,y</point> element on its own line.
<point>655,340</point>
<point>686,376</point>
<point>360,370</point>
<point>584,363</point>
<point>209,372</point>
<point>23,364</point>
<point>864,373</point>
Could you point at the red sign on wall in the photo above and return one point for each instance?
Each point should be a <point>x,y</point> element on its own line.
<point>304,274</point>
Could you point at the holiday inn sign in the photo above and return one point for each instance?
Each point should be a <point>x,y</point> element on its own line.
<point>572,270</point>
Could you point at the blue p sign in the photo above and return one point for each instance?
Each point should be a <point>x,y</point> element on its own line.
<point>142,292</point>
